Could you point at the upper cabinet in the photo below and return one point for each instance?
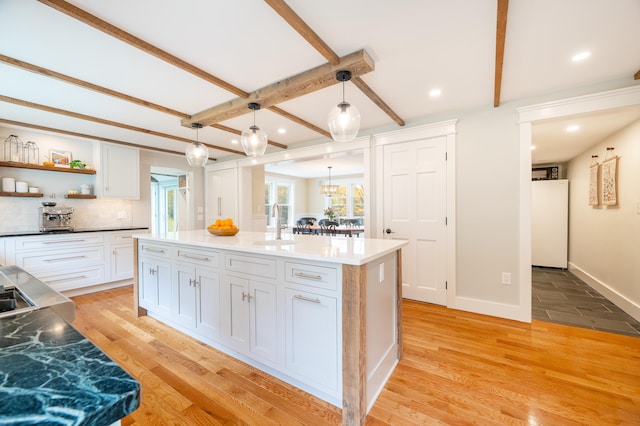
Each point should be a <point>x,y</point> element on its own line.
<point>221,195</point>
<point>119,171</point>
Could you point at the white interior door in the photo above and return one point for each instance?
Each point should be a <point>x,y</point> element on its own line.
<point>415,195</point>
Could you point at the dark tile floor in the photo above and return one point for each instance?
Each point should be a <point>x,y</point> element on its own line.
<point>559,296</point>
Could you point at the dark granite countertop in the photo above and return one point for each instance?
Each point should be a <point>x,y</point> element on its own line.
<point>51,374</point>
<point>75,231</point>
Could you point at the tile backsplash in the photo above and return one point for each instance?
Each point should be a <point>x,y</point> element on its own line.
<point>22,214</point>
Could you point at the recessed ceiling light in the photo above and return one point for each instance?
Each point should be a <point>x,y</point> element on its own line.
<point>434,93</point>
<point>581,56</point>
<point>282,131</point>
<point>573,128</point>
<point>234,141</point>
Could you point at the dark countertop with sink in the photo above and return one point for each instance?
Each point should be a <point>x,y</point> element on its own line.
<point>52,374</point>
<point>75,231</point>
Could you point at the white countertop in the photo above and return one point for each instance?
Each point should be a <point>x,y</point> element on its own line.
<point>338,249</point>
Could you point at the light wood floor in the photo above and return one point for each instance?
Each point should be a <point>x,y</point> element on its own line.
<point>458,368</point>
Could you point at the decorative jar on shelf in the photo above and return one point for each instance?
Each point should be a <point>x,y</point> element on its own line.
<point>31,153</point>
<point>13,148</point>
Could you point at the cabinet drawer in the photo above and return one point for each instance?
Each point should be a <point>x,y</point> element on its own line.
<point>197,257</point>
<point>74,278</point>
<point>120,237</point>
<point>262,267</point>
<point>160,251</point>
<point>51,259</point>
<point>311,275</point>
<point>55,242</point>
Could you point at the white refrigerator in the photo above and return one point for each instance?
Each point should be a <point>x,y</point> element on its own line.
<point>550,223</point>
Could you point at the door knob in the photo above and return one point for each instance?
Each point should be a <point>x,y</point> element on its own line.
<point>389,231</point>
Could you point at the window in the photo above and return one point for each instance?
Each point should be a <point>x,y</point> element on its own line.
<point>349,201</point>
<point>279,191</point>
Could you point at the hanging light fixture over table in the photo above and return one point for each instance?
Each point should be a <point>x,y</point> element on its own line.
<point>344,119</point>
<point>254,141</point>
<point>197,153</point>
<point>330,189</point>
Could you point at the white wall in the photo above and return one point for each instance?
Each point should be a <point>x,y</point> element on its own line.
<point>604,241</point>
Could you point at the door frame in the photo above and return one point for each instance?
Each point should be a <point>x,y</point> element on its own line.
<point>448,130</point>
<point>527,115</point>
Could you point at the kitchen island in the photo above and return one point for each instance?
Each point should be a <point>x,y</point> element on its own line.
<point>322,313</point>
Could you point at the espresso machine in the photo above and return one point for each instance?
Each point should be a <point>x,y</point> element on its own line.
<point>54,218</point>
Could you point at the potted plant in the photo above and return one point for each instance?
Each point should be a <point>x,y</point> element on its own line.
<point>329,213</point>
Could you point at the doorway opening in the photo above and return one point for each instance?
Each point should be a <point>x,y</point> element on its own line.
<point>170,200</point>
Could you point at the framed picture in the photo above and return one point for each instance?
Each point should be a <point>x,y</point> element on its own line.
<point>594,193</point>
<point>609,184</point>
<point>60,158</point>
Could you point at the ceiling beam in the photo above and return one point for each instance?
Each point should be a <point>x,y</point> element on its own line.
<point>501,35</point>
<point>290,88</point>
<point>86,136</point>
<point>292,18</point>
<point>90,86</point>
<point>296,119</point>
<point>106,91</point>
<point>89,19</point>
<point>364,88</point>
<point>85,117</point>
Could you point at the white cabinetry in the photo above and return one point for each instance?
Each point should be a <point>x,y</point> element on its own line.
<point>196,287</point>
<point>249,305</point>
<point>118,175</point>
<point>155,278</point>
<point>221,195</point>
<point>311,326</point>
<point>65,262</point>
<point>120,254</point>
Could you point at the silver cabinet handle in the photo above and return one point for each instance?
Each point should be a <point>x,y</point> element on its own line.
<point>306,299</point>
<point>219,206</point>
<point>246,296</point>
<point>63,241</point>
<point>307,276</point>
<point>153,250</point>
<point>79,277</point>
<point>61,259</point>
<point>189,256</point>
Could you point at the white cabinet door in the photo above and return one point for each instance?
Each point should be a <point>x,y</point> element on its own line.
<point>119,173</point>
<point>263,320</point>
<point>184,299</point>
<point>311,339</point>
<point>121,261</point>
<point>155,286</point>
<point>221,195</point>
<point>196,301</point>
<point>251,317</point>
<point>208,303</point>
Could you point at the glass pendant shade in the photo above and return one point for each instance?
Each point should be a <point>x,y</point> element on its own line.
<point>197,153</point>
<point>254,141</point>
<point>344,122</point>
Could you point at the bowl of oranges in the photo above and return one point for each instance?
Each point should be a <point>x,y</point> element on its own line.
<point>223,228</point>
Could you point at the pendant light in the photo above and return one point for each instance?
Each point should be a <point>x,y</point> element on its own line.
<point>197,153</point>
<point>344,119</point>
<point>329,190</point>
<point>254,141</point>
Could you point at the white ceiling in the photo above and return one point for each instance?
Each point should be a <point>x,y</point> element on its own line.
<point>417,45</point>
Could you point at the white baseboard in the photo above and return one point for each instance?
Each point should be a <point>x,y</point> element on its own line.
<point>95,288</point>
<point>494,309</point>
<point>618,299</point>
